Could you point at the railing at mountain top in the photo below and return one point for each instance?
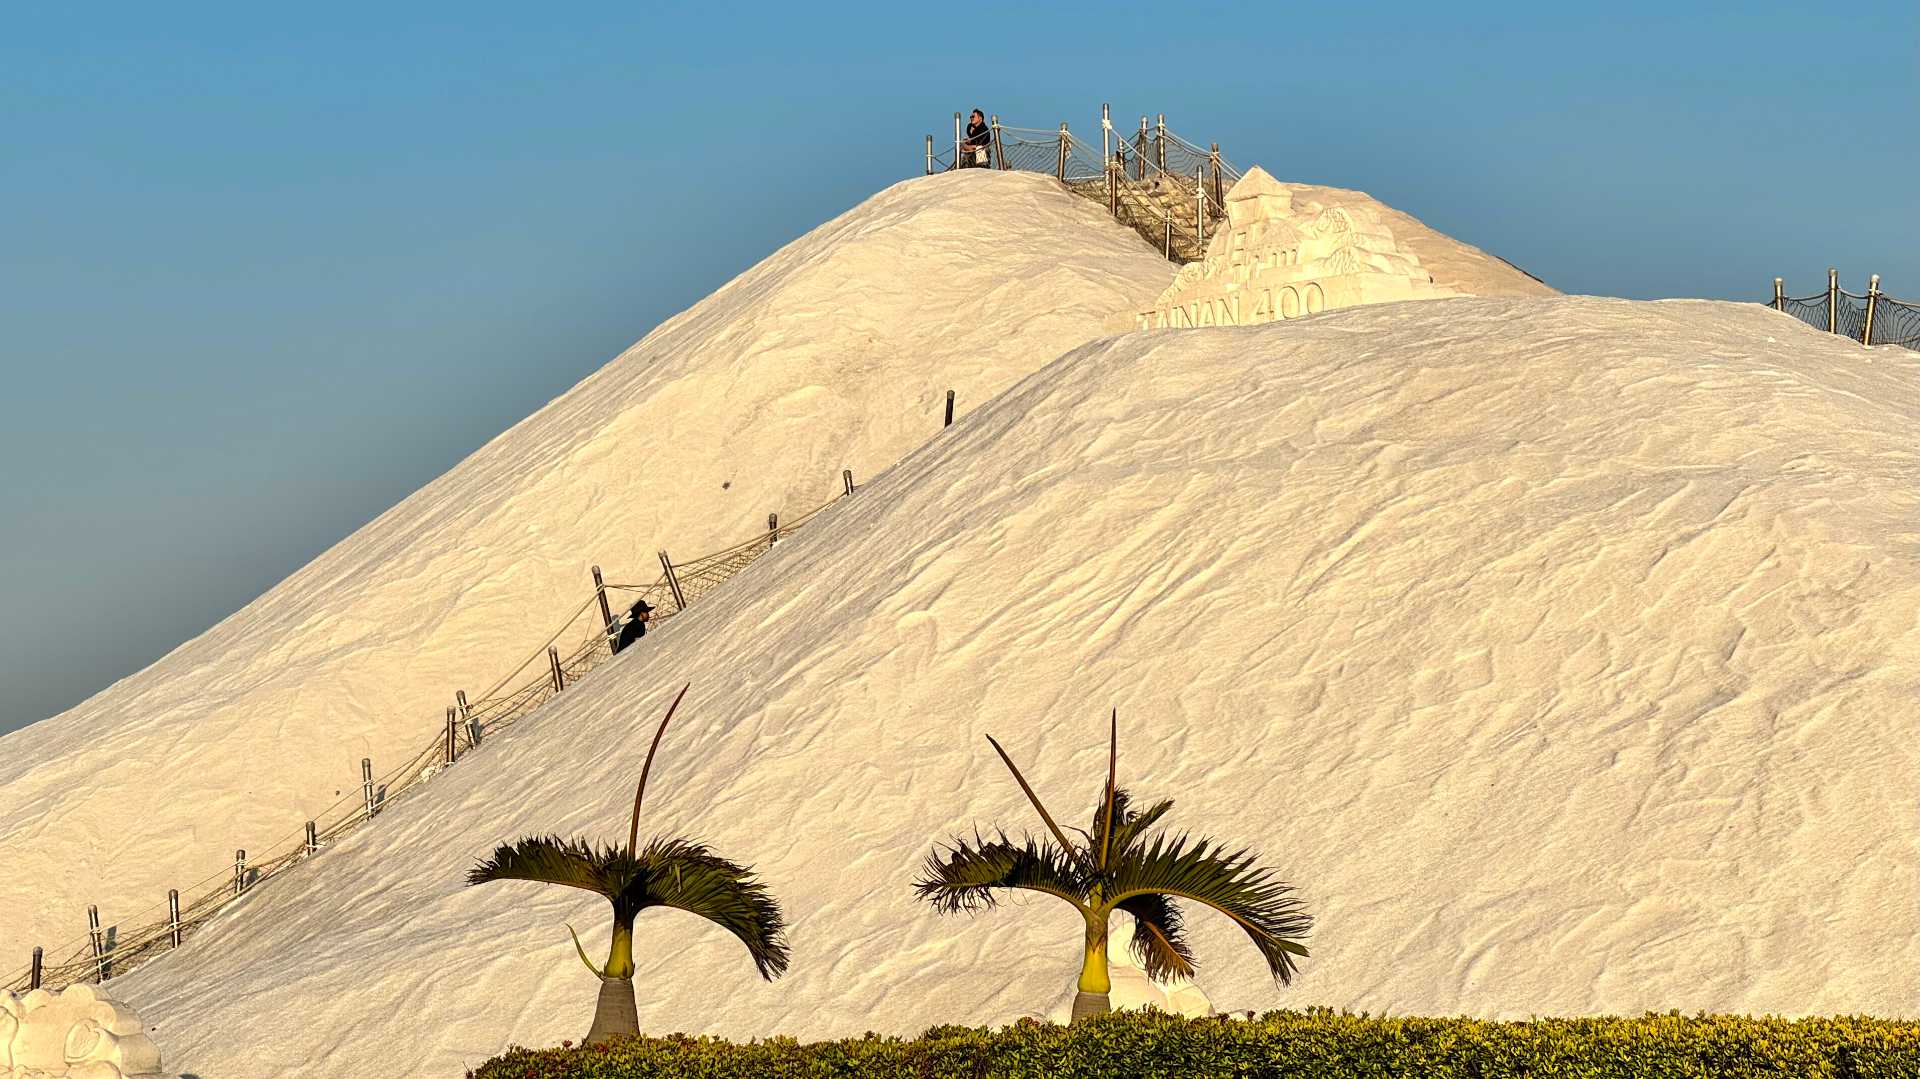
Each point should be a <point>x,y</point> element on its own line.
<point>1871,319</point>
<point>106,952</point>
<point>1167,189</point>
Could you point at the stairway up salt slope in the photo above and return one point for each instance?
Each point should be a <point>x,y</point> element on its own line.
<point>1562,651</point>
<point>834,352</point>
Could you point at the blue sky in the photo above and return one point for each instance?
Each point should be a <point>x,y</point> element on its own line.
<point>265,270</point>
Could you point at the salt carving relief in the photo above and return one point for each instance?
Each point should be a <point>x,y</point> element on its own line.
<point>1274,260</point>
<point>79,1033</point>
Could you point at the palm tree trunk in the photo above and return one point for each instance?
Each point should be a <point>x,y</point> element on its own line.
<point>1085,1004</point>
<point>1094,981</point>
<point>615,1014</point>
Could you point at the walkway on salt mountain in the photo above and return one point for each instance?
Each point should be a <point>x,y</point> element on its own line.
<point>110,950</point>
<point>1169,190</point>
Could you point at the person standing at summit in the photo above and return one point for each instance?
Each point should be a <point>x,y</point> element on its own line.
<point>975,148</point>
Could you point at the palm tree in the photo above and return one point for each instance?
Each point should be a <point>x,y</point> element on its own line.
<point>1117,868</point>
<point>667,872</point>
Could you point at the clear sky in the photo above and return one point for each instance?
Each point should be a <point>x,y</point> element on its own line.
<point>266,269</point>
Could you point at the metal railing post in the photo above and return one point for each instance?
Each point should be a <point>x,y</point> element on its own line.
<point>673,583</point>
<point>1140,151</point>
<point>1066,141</point>
<point>999,148</point>
<point>1168,252</point>
<point>1873,301</point>
<point>929,155</point>
<point>1113,184</point>
<point>99,941</point>
<point>453,728</point>
<point>1106,132</point>
<point>846,477</point>
<point>1833,300</point>
<point>239,872</point>
<point>1160,143</point>
<point>949,422</point>
<point>600,590</point>
<point>1219,192</point>
<point>173,916</point>
<point>773,529</point>
<point>366,784</point>
<point>1200,207</point>
<point>467,716</point>
<point>1779,294</point>
<point>313,838</point>
<point>37,967</point>
<point>553,666</point>
<point>957,140</point>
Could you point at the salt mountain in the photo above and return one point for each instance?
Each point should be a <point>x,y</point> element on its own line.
<point>1557,649</point>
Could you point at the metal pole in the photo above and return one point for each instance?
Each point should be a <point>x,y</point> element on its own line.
<point>957,140</point>
<point>173,916</point>
<point>773,529</point>
<point>366,783</point>
<point>929,155</point>
<point>949,422</point>
<point>466,713</point>
<point>37,967</point>
<point>846,477</point>
<point>999,148</point>
<point>1833,300</point>
<point>99,943</point>
<point>1219,193</point>
<point>453,726</point>
<point>1160,144</point>
<point>1140,151</point>
<point>1873,301</point>
<point>1169,248</point>
<point>1200,207</point>
<point>1106,133</point>
<point>553,663</point>
<point>1113,184</point>
<point>313,838</point>
<point>1065,142</point>
<point>1779,294</point>
<point>239,872</point>
<point>673,582</point>
<point>606,612</point>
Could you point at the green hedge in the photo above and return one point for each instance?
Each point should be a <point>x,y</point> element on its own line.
<point>1316,1044</point>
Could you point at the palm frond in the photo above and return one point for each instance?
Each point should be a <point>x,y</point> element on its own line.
<point>1134,826</point>
<point>639,792</point>
<point>1027,789</point>
<point>552,860</point>
<point>1159,937</point>
<point>1112,791</point>
<point>688,876</point>
<point>1232,884</point>
<point>971,874</point>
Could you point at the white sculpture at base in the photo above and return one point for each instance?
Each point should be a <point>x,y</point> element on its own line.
<point>1277,260</point>
<point>78,1033</point>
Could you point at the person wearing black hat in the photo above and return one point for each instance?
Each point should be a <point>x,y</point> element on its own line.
<point>634,625</point>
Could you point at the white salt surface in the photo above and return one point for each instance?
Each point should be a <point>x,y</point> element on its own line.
<point>836,352</point>
<point>1562,651</point>
<point>1453,264</point>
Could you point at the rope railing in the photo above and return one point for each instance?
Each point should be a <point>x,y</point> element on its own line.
<point>1166,188</point>
<point>1872,318</point>
<point>109,951</point>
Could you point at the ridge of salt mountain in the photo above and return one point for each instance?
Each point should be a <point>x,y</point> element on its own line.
<point>1558,650</point>
<point>834,352</point>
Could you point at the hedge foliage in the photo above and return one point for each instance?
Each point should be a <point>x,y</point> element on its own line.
<point>1315,1044</point>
